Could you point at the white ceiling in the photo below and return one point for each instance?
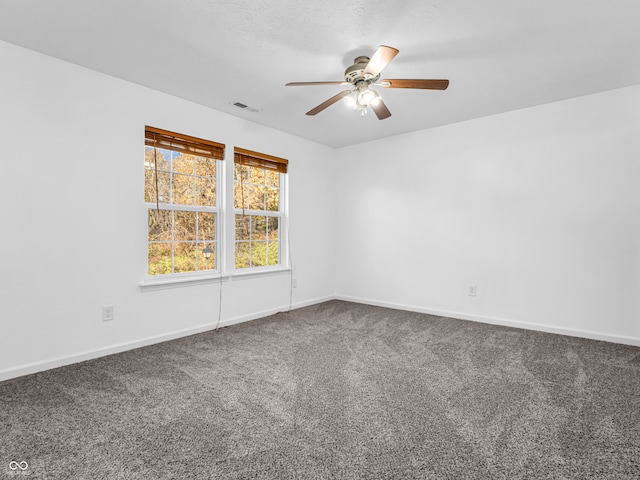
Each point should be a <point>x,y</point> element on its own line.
<point>499,55</point>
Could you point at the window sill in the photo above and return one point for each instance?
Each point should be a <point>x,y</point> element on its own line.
<point>151,284</point>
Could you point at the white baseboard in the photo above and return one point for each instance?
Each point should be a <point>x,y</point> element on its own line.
<point>40,366</point>
<point>315,301</point>
<point>625,340</point>
<point>35,367</point>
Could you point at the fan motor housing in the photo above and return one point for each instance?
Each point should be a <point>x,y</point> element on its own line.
<point>356,71</point>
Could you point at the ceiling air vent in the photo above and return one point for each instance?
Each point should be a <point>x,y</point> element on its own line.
<point>244,106</point>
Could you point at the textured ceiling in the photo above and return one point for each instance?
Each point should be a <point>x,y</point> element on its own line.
<point>499,55</point>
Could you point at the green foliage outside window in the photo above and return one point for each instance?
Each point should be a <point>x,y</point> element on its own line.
<point>257,236</point>
<point>182,188</point>
<point>177,237</point>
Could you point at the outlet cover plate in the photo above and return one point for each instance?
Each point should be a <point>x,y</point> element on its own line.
<point>107,313</point>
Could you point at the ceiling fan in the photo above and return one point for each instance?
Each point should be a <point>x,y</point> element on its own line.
<point>362,75</point>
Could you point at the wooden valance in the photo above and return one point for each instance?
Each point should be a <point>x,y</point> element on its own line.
<point>158,138</point>
<point>261,160</point>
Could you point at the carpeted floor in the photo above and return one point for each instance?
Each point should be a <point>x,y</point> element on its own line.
<point>336,390</point>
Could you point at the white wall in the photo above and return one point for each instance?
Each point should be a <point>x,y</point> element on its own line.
<point>539,208</point>
<point>74,225</point>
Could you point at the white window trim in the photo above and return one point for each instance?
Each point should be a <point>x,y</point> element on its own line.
<point>178,207</point>
<point>225,237</point>
<point>283,214</point>
<point>194,278</point>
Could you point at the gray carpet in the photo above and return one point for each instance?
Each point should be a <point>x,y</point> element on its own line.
<point>336,390</point>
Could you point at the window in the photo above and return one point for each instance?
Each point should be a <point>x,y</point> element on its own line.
<point>202,217</point>
<point>258,207</point>
<point>181,196</point>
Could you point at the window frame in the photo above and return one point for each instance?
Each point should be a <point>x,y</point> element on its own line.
<point>282,230</point>
<point>225,214</point>
<point>279,165</point>
<point>177,207</point>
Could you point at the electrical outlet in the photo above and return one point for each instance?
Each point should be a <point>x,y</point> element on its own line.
<point>107,313</point>
<point>473,290</point>
<point>294,283</point>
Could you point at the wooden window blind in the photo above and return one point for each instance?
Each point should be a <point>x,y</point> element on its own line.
<point>262,160</point>
<point>158,138</point>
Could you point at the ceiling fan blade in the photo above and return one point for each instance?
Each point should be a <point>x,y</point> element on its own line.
<point>424,84</point>
<point>380,59</point>
<point>328,103</point>
<point>381,110</point>
<point>304,84</point>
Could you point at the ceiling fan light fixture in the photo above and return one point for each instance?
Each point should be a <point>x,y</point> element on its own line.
<point>362,97</point>
<point>352,99</point>
<point>366,97</point>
